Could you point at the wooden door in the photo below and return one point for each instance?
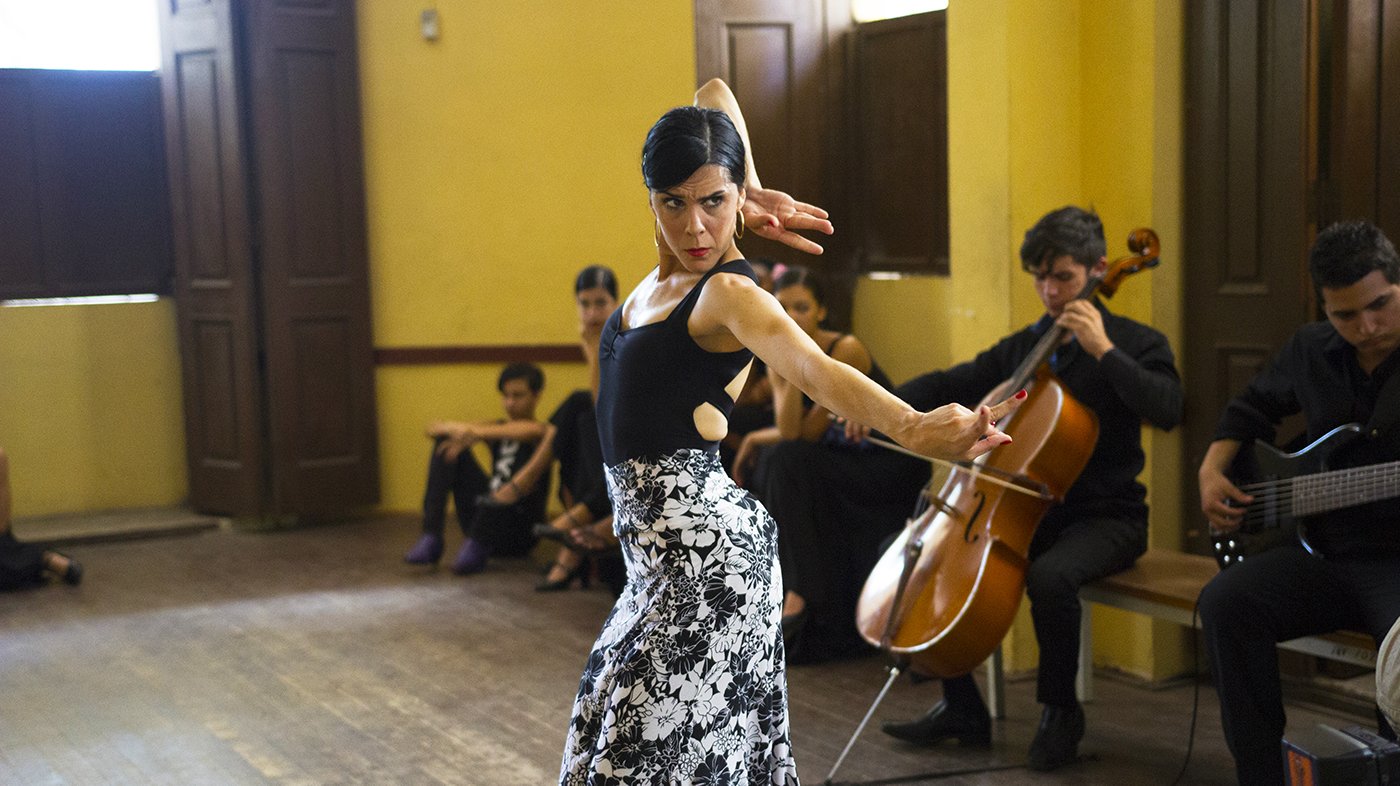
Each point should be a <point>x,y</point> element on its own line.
<point>215,289</point>
<point>304,116</point>
<point>1248,225</point>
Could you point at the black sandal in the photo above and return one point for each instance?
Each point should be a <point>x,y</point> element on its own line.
<point>73,575</point>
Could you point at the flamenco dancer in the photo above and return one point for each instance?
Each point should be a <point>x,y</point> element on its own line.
<point>685,683</point>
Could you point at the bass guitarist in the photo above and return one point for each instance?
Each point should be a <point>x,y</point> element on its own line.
<point>1335,372</point>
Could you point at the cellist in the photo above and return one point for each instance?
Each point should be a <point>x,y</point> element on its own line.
<point>1125,373</point>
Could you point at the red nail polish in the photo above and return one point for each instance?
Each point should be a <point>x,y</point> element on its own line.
<point>1022,394</point>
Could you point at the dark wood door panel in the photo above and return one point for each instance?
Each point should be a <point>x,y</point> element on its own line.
<point>759,57</point>
<point>1388,153</point>
<point>1247,223</point>
<point>901,132</point>
<point>202,201</point>
<point>267,199</point>
<point>221,442</point>
<point>211,230</point>
<point>224,447</point>
<point>328,408</point>
<point>21,269</point>
<point>304,115</point>
<point>1363,113</point>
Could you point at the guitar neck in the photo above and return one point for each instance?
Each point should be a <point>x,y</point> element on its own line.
<point>1326,491</point>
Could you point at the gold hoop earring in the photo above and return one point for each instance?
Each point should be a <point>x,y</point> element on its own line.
<point>656,235</point>
<point>739,233</point>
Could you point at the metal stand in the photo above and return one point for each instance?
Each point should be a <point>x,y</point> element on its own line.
<point>895,671</point>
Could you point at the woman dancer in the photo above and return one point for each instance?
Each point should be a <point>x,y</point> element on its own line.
<point>685,683</point>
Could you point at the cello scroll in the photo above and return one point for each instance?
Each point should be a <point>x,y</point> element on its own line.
<point>1145,248</point>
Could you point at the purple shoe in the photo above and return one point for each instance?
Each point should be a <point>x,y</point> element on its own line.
<point>427,551</point>
<point>472,557</point>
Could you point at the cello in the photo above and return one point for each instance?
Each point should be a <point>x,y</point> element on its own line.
<point>944,594</point>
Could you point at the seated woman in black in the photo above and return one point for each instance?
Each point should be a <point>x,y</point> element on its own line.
<point>825,553</point>
<point>795,416</point>
<point>25,564</point>
<point>572,437</point>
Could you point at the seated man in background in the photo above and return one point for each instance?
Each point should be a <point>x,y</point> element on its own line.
<point>452,469</point>
<point>1335,372</point>
<point>25,564</point>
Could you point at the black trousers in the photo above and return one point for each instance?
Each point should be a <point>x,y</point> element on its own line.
<point>1066,553</point>
<point>1271,597</point>
<point>21,564</point>
<point>505,530</point>
<point>580,455</point>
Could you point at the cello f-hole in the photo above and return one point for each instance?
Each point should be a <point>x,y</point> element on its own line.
<point>968,537</point>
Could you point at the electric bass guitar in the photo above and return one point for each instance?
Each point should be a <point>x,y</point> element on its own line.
<point>1289,487</point>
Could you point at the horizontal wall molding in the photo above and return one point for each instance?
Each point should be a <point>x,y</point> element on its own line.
<point>494,353</point>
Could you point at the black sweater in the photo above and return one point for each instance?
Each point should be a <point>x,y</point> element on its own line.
<point>1136,381</point>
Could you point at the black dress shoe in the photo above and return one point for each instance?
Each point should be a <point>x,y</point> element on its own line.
<point>1056,742</point>
<point>941,723</point>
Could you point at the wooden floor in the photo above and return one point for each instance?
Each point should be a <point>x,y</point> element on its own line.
<point>315,656</point>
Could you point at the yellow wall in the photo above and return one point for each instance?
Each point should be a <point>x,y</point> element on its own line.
<point>500,160</point>
<point>90,407</point>
<point>1048,105</point>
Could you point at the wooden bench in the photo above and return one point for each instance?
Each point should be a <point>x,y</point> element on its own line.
<point>1165,584</point>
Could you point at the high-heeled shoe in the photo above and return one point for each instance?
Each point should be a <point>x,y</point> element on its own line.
<point>565,538</point>
<point>546,531</point>
<point>579,571</point>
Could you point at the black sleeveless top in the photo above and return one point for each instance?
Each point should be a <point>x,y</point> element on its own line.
<point>652,378</point>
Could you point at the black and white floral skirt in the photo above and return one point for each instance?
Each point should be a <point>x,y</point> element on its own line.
<point>685,684</point>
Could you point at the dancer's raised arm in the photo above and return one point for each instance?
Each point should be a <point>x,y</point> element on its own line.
<point>767,213</point>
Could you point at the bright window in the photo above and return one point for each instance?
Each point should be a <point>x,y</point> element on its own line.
<point>93,35</point>
<point>875,10</point>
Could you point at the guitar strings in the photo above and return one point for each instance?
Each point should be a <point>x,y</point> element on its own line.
<point>1360,484</point>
